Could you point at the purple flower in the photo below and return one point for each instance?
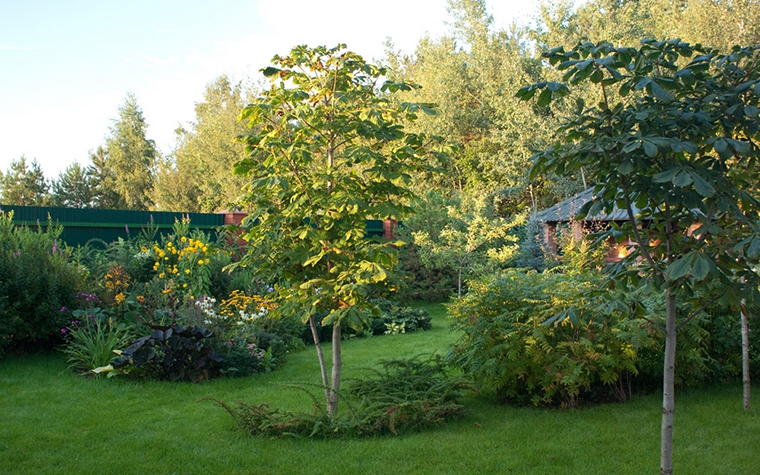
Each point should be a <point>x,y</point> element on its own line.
<point>126,226</point>
<point>55,246</point>
<point>16,254</point>
<point>63,309</point>
<point>63,331</point>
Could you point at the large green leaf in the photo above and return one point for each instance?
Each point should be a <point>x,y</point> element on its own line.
<point>680,267</point>
<point>701,185</point>
<point>701,267</point>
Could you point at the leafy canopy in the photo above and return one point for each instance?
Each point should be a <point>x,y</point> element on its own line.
<point>673,142</point>
<point>328,151</point>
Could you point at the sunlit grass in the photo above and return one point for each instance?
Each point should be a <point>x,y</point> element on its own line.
<point>52,421</point>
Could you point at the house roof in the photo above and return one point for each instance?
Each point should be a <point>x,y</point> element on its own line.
<point>566,211</point>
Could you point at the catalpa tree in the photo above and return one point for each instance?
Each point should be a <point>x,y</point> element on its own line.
<point>328,151</point>
<point>673,141</point>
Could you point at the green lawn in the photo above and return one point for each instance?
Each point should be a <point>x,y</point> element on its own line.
<point>52,421</point>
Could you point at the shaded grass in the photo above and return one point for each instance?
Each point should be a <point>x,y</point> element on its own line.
<point>52,421</point>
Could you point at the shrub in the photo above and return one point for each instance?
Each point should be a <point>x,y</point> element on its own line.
<point>36,282</point>
<point>396,316</point>
<point>392,315</point>
<point>404,396</point>
<point>424,282</point>
<point>508,347</point>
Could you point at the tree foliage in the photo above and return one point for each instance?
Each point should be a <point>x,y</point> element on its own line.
<point>73,188</point>
<point>24,184</point>
<point>132,156</point>
<point>471,239</point>
<point>328,151</point>
<point>197,177</point>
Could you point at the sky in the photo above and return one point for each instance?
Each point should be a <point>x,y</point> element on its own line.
<point>67,66</point>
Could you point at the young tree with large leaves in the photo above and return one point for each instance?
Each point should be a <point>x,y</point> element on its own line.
<point>673,141</point>
<point>328,151</point>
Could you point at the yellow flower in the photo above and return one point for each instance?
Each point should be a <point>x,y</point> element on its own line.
<point>167,291</point>
<point>200,262</point>
<point>187,271</point>
<point>161,275</point>
<point>184,286</point>
<point>184,239</point>
<point>120,297</point>
<point>166,258</point>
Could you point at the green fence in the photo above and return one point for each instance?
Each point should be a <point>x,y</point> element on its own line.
<point>85,225</point>
<point>81,226</point>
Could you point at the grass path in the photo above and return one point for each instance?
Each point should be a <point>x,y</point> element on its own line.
<point>53,422</point>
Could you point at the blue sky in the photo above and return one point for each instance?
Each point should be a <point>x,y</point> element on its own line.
<point>66,66</point>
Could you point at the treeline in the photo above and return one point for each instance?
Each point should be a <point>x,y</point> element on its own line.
<point>129,172</point>
<point>471,74</point>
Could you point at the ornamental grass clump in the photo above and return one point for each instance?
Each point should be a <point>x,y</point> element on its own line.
<point>403,396</point>
<point>94,344</point>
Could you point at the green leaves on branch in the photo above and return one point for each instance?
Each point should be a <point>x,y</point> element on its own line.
<point>328,150</point>
<point>672,139</point>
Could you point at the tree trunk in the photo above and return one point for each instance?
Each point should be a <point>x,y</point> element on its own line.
<point>337,364</point>
<point>745,355</point>
<point>459,290</point>
<point>320,356</point>
<point>668,386</point>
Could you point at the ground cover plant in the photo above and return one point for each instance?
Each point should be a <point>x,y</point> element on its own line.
<point>406,395</point>
<point>52,421</point>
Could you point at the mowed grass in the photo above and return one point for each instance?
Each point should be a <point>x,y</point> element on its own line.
<point>52,421</point>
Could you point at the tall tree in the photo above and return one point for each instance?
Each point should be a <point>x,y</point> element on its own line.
<point>471,74</point>
<point>720,23</point>
<point>675,136</point>
<point>103,181</point>
<point>73,188</point>
<point>24,185</point>
<point>198,176</point>
<point>328,151</point>
<point>132,156</point>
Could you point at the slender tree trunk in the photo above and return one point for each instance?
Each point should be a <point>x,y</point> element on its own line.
<point>337,364</point>
<point>668,386</point>
<point>320,356</point>
<point>459,289</point>
<point>745,355</point>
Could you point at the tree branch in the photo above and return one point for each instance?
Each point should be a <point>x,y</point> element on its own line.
<point>632,219</point>
<point>696,313</point>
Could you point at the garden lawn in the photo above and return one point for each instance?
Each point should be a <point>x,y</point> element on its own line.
<point>52,421</point>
